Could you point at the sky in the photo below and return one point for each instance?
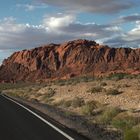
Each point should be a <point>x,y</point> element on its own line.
<point>26,24</point>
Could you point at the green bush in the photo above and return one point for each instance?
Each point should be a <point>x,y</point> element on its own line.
<point>113,92</point>
<point>88,108</point>
<point>15,94</point>
<point>108,114</point>
<point>74,80</point>
<point>117,76</point>
<point>86,79</point>
<point>122,124</point>
<point>77,102</point>
<point>131,135</point>
<point>67,103</point>
<point>50,93</point>
<point>126,85</point>
<point>95,89</point>
<point>124,121</point>
<point>63,103</point>
<point>62,84</point>
<point>103,84</point>
<point>5,86</point>
<point>137,128</point>
<point>59,103</point>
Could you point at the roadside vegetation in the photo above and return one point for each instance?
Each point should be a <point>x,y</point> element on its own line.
<point>111,101</point>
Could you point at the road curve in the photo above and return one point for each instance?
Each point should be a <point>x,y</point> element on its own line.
<point>20,123</point>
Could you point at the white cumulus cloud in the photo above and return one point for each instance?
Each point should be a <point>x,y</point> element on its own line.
<point>59,21</point>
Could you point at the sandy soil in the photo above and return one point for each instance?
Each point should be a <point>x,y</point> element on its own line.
<point>129,98</point>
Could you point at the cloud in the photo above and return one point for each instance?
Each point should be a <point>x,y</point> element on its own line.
<point>19,36</point>
<point>127,19</point>
<point>62,27</point>
<point>95,6</point>
<point>67,24</point>
<point>57,28</point>
<point>129,39</point>
<point>31,7</point>
<point>134,34</point>
<point>4,54</point>
<point>59,21</point>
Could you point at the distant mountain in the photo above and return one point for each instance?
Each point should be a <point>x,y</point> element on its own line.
<point>69,59</point>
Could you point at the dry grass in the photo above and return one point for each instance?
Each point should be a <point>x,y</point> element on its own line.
<point>91,98</point>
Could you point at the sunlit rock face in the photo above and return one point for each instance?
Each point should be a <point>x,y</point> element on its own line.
<point>69,59</point>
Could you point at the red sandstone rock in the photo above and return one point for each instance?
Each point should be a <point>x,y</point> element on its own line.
<point>73,58</point>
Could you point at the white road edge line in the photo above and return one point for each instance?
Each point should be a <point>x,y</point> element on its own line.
<point>42,119</point>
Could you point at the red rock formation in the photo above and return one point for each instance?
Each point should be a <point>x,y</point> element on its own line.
<point>73,58</point>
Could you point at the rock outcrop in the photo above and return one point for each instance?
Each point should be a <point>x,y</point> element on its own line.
<point>73,58</point>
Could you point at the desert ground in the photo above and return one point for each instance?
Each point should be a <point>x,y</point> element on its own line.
<point>112,101</point>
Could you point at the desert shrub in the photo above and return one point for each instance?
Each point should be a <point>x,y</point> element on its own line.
<point>65,82</point>
<point>132,76</point>
<point>37,95</point>
<point>103,84</point>
<point>5,86</point>
<point>59,103</point>
<point>137,128</point>
<point>46,98</point>
<point>117,76</point>
<point>15,94</point>
<point>50,93</point>
<point>33,100</point>
<point>88,108</point>
<point>68,113</point>
<point>74,80</point>
<point>67,103</point>
<point>137,76</point>
<point>95,89</point>
<point>108,114</point>
<point>123,124</point>
<point>60,82</point>
<point>63,103</point>
<point>113,92</point>
<point>124,121</point>
<point>126,85</point>
<point>131,135</point>
<point>83,79</point>
<point>77,102</point>
<point>86,79</point>
<point>24,96</point>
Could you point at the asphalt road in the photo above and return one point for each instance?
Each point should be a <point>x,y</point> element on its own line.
<point>17,123</point>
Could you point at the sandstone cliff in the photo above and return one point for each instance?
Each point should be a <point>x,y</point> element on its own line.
<point>73,58</point>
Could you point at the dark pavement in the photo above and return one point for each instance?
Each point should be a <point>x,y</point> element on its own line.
<point>16,123</point>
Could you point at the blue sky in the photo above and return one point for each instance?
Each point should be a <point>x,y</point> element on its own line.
<point>26,24</point>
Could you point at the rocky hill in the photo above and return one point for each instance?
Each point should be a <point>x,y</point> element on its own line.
<point>69,59</point>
